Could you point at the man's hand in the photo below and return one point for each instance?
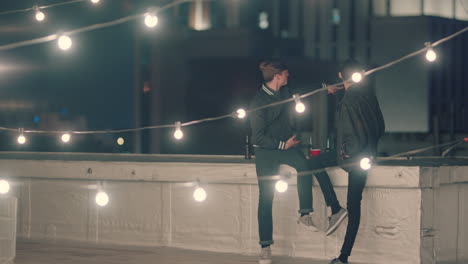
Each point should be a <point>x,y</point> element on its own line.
<point>332,89</point>
<point>291,142</point>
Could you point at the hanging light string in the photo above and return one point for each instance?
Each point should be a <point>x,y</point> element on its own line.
<point>437,43</point>
<point>53,37</point>
<point>132,17</point>
<point>40,7</point>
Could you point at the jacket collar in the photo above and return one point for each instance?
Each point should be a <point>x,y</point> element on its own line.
<point>268,90</point>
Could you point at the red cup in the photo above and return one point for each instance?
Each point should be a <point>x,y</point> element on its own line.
<point>314,152</point>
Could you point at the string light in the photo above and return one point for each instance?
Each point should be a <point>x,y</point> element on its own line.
<point>39,15</point>
<point>356,77</point>
<point>178,134</point>
<point>21,138</point>
<point>199,194</point>
<point>431,56</point>
<point>151,20</point>
<point>66,137</point>
<point>4,187</point>
<point>120,141</point>
<point>64,42</point>
<point>300,107</point>
<point>365,164</point>
<point>102,199</point>
<point>241,113</point>
<point>281,186</point>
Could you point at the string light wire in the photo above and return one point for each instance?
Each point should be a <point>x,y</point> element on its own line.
<point>209,119</point>
<point>40,7</point>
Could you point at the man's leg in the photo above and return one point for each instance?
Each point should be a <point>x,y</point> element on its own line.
<point>356,183</point>
<point>265,166</point>
<point>318,165</point>
<point>296,159</point>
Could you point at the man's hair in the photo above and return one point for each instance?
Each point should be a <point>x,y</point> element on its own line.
<point>271,67</point>
<point>349,67</point>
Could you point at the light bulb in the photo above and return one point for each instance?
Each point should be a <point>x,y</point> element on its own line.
<point>120,141</point>
<point>199,194</point>
<point>21,139</point>
<point>64,42</point>
<point>66,138</point>
<point>241,113</point>
<point>431,55</point>
<point>151,20</point>
<point>300,107</point>
<point>365,164</point>
<point>356,77</point>
<point>4,187</point>
<point>40,16</point>
<point>95,1</point>
<point>281,186</point>
<point>102,199</point>
<point>178,134</point>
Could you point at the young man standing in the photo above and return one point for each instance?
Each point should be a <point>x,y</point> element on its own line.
<point>359,125</point>
<point>275,143</point>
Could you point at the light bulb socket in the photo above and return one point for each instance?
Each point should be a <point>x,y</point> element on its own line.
<point>428,45</point>
<point>297,98</point>
<point>152,11</point>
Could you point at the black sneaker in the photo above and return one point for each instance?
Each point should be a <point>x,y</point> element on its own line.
<point>335,220</point>
<point>337,261</point>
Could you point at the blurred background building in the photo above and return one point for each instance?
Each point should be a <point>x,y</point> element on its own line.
<point>202,61</point>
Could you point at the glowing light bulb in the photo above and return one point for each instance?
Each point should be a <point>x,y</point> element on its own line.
<point>241,113</point>
<point>120,141</point>
<point>64,42</point>
<point>151,20</point>
<point>431,56</point>
<point>21,139</point>
<point>356,77</point>
<point>281,186</point>
<point>40,16</point>
<point>4,187</point>
<point>102,199</point>
<point>66,138</point>
<point>199,194</point>
<point>365,164</point>
<point>300,107</point>
<point>95,1</point>
<point>178,134</point>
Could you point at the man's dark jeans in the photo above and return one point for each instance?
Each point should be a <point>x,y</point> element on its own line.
<point>356,183</point>
<point>267,164</point>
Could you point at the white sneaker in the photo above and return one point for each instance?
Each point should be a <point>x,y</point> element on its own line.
<point>306,220</point>
<point>265,256</point>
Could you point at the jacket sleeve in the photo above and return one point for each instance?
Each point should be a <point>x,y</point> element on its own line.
<point>353,132</point>
<point>258,123</point>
